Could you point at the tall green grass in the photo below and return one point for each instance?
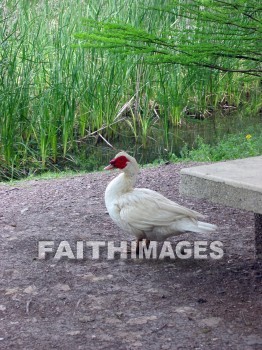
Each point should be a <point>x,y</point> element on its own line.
<point>53,96</point>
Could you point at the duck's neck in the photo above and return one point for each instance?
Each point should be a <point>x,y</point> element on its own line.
<point>124,182</point>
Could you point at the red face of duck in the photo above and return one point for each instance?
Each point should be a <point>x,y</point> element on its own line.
<point>119,163</point>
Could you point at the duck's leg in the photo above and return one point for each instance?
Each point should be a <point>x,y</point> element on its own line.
<point>147,243</point>
<point>137,245</point>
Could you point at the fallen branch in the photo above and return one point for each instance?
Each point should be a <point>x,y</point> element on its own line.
<point>109,144</point>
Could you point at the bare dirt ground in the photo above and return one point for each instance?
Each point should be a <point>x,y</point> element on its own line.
<point>121,304</point>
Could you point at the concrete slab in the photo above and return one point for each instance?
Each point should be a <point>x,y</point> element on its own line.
<point>236,183</point>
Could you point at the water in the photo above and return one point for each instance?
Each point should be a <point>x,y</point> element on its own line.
<point>211,130</point>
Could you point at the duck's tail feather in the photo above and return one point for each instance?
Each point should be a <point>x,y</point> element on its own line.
<point>206,227</point>
<point>187,225</point>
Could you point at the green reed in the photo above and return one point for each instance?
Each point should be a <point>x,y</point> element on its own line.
<point>53,95</point>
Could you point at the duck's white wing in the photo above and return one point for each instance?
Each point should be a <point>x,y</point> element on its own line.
<point>145,209</point>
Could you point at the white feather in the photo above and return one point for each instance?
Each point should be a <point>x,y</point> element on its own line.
<point>146,213</point>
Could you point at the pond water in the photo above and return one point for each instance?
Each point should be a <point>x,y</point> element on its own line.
<point>211,129</point>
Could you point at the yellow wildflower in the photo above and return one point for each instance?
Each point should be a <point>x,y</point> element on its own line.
<point>248,136</point>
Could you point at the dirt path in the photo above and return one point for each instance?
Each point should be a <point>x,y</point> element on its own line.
<point>121,304</point>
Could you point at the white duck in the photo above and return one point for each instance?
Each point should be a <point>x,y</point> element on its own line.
<point>143,212</point>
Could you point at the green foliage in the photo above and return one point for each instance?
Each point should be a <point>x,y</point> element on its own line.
<point>242,145</point>
<point>55,95</point>
<point>220,35</point>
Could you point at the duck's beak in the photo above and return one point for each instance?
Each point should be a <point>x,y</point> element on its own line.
<point>109,167</point>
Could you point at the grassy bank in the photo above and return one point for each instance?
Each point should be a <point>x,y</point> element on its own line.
<point>53,97</point>
<point>241,145</point>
